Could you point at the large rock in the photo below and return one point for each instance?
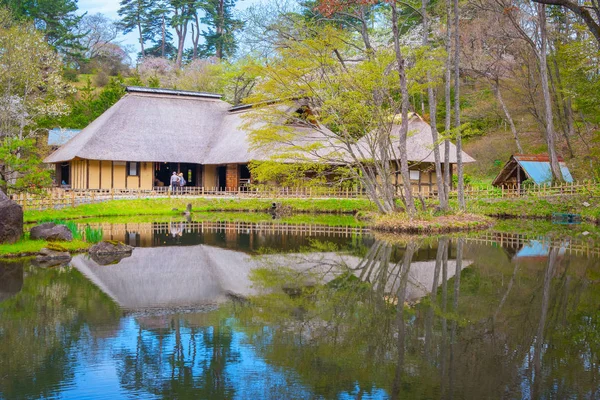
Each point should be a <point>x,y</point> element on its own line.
<point>51,232</point>
<point>51,258</point>
<point>11,220</point>
<point>109,252</point>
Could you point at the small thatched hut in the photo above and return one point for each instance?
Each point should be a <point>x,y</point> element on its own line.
<point>533,167</point>
<point>149,133</point>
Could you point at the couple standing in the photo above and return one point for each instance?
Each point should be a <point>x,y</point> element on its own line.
<point>177,182</point>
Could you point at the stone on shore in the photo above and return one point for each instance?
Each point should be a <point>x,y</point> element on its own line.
<point>51,232</point>
<point>11,220</point>
<point>109,252</point>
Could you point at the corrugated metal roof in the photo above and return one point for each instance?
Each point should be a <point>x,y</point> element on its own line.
<point>60,136</point>
<point>535,166</point>
<point>540,173</point>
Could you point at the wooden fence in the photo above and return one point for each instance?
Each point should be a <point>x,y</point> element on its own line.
<point>60,198</point>
<point>516,240</point>
<point>118,231</point>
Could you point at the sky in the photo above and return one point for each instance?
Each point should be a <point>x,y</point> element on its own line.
<point>110,8</point>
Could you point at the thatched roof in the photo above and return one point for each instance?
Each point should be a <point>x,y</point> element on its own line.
<point>419,144</point>
<point>159,125</point>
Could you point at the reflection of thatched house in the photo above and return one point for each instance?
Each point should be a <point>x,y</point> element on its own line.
<point>176,277</point>
<point>149,133</point>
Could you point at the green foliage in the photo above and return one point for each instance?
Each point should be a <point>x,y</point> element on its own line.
<point>56,19</point>
<point>89,105</point>
<point>219,38</point>
<point>21,170</point>
<point>93,235</point>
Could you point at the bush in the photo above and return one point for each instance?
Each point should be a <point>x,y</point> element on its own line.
<point>101,79</point>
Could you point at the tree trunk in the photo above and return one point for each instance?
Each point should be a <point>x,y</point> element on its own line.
<point>195,35</point>
<point>220,29</point>
<point>511,123</point>
<point>164,35</point>
<point>139,24</point>
<point>181,30</point>
<point>433,115</point>
<point>567,115</point>
<point>447,85</point>
<point>459,164</point>
<point>550,134</point>
<point>407,192</point>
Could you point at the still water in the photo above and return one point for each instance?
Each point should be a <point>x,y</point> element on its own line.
<point>249,311</point>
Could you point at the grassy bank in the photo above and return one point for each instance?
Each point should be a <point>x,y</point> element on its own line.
<point>538,208</point>
<point>425,223</point>
<point>28,247</point>
<point>166,206</point>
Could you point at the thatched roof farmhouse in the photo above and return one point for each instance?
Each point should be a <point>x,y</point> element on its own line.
<point>149,133</point>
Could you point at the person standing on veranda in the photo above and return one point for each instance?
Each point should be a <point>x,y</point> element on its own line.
<point>174,182</point>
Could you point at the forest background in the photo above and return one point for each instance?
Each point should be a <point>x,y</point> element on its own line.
<point>502,76</point>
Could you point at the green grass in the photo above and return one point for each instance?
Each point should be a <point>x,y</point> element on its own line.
<point>26,246</point>
<point>166,206</point>
<point>534,207</point>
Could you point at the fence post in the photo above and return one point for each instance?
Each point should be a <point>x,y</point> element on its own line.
<point>72,198</point>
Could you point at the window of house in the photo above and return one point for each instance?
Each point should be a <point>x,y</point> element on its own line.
<point>414,175</point>
<point>133,168</point>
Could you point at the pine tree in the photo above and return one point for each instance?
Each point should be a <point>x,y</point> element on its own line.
<point>55,18</point>
<point>134,16</point>
<point>220,36</point>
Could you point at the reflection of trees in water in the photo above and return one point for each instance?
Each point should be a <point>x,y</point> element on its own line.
<point>498,329</point>
<point>181,361</point>
<point>43,328</point>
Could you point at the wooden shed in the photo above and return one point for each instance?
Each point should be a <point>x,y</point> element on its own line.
<point>533,167</point>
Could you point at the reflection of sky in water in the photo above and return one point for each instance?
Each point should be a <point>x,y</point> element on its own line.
<point>536,248</point>
<point>245,373</point>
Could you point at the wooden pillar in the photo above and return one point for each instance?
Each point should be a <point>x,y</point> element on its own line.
<point>199,169</point>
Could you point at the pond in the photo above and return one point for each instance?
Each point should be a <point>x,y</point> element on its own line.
<point>252,310</point>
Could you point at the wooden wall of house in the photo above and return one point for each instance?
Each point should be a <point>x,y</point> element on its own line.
<point>210,176</point>
<point>94,174</point>
<point>426,182</point>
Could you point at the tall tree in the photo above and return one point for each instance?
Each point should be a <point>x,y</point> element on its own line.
<point>182,13</point>
<point>433,113</point>
<point>533,29</point>
<point>98,32</point>
<point>57,19</point>
<point>159,19</point>
<point>588,12</point>
<point>31,87</point>
<point>459,164</point>
<point>222,25</point>
<point>134,16</point>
